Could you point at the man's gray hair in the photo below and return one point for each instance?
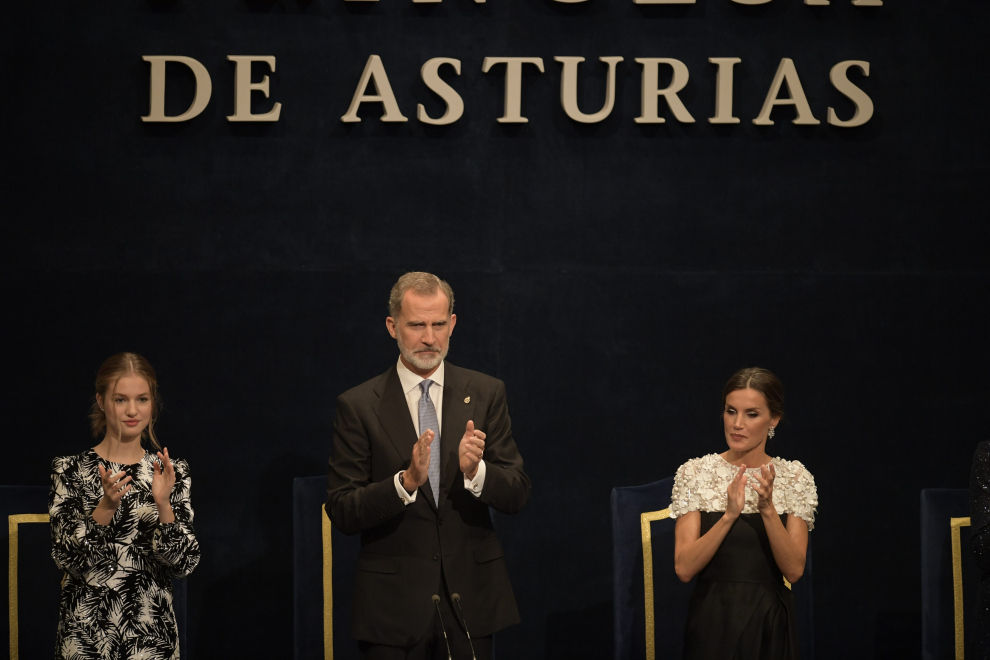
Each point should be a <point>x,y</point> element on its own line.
<point>424,284</point>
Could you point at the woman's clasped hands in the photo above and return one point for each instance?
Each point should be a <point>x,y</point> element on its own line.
<point>736,493</point>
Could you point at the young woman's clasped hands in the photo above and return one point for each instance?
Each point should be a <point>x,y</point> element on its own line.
<point>116,485</point>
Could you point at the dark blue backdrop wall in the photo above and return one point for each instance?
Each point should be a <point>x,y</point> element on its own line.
<point>613,275</point>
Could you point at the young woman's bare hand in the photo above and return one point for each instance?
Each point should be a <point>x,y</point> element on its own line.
<point>115,486</point>
<point>163,478</point>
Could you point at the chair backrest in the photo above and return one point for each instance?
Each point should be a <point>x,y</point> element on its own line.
<point>324,570</point>
<point>33,579</point>
<point>34,582</point>
<point>647,591</point>
<point>949,575</point>
<point>668,595</point>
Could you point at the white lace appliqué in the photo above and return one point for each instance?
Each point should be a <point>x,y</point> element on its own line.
<point>701,485</point>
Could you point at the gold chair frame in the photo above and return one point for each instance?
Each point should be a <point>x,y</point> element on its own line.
<point>957,583</point>
<point>327,586</point>
<point>12,524</point>
<point>644,521</point>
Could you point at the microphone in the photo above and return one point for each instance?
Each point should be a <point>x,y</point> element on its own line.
<point>457,599</point>
<point>436,601</point>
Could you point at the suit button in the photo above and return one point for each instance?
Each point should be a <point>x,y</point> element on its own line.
<point>436,557</point>
<point>439,521</point>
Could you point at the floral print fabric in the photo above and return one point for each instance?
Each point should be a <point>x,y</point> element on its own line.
<point>701,485</point>
<point>116,599</point>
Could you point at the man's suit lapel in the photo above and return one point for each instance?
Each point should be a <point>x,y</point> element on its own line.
<point>393,413</point>
<point>458,408</point>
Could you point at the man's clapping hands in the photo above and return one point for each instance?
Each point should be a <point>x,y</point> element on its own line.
<point>469,455</point>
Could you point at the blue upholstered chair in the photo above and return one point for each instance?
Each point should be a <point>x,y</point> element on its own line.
<point>949,575</point>
<point>34,599</point>
<point>324,569</point>
<point>650,601</point>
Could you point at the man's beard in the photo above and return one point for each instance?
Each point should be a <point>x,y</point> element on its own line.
<point>424,359</point>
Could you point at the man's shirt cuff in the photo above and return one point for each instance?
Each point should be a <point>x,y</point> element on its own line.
<point>476,485</point>
<point>404,495</point>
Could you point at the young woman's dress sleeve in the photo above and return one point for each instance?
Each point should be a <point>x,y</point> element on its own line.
<point>78,542</point>
<point>174,544</point>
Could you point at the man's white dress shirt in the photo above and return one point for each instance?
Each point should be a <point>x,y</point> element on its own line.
<point>410,387</point>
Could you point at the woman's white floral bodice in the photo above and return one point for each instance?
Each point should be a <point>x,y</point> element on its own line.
<point>701,485</point>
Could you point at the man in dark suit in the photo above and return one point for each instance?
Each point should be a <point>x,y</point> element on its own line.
<point>420,453</point>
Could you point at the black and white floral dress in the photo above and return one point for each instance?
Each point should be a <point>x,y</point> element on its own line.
<point>117,593</point>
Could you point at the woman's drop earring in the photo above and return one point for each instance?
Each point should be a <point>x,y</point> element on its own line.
<point>770,434</point>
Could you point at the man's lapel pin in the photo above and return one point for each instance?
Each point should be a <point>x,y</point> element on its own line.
<point>467,399</point>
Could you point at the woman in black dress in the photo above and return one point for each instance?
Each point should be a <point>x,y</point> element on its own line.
<point>742,528</point>
<point>121,526</point>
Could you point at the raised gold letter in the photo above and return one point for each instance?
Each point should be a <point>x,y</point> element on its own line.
<point>204,88</point>
<point>374,72</point>
<point>243,88</point>
<point>513,85</point>
<point>568,89</point>
<point>723,90</point>
<point>650,104</point>
<point>864,104</point>
<point>786,71</point>
<point>431,76</point>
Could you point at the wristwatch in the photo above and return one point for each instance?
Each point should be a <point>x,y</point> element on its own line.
<point>402,481</point>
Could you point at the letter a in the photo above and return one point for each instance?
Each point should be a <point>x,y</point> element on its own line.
<point>374,72</point>
<point>786,71</point>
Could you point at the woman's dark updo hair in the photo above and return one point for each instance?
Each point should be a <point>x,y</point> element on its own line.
<point>761,380</point>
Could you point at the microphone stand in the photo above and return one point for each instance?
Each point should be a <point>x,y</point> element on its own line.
<point>436,601</point>
<point>457,599</point>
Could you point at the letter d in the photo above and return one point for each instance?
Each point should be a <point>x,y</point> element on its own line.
<point>204,88</point>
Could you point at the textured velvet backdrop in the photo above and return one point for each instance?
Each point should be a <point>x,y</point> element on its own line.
<point>613,275</point>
